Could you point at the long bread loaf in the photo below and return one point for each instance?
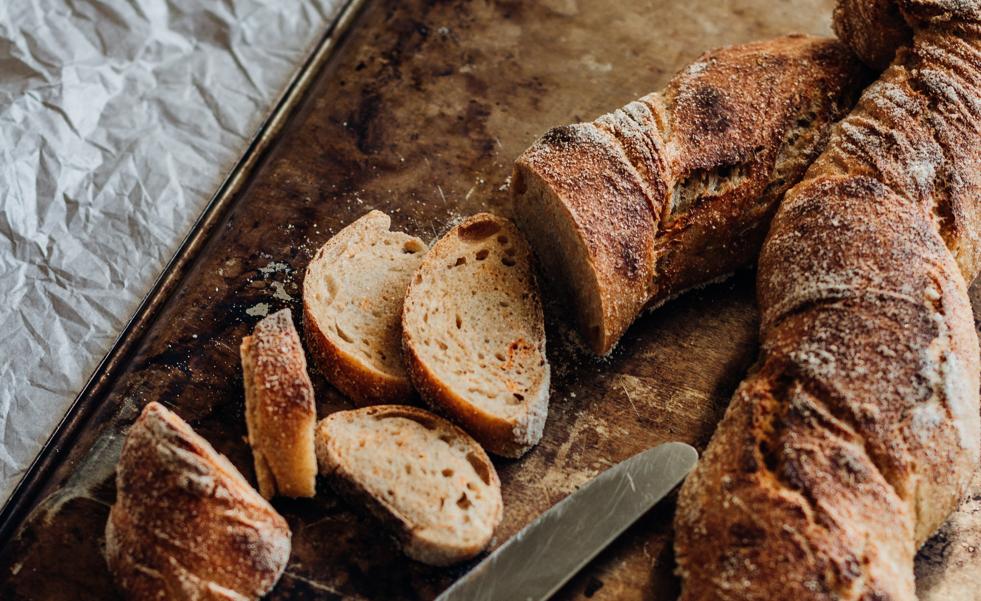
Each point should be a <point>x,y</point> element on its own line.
<point>677,189</point>
<point>857,431</point>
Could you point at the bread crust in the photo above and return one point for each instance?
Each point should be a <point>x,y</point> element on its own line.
<point>858,431</point>
<point>873,29</point>
<point>505,436</point>
<point>413,543</point>
<point>280,411</point>
<point>677,189</point>
<point>362,383</point>
<point>186,524</point>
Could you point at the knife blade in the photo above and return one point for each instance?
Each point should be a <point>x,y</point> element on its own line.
<point>537,561</point>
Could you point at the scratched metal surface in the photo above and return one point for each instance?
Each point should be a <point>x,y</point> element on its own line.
<point>420,113</point>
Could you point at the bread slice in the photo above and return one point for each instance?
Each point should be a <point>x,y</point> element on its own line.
<point>474,335</point>
<point>352,306</point>
<point>418,473</point>
<point>186,524</point>
<point>280,411</point>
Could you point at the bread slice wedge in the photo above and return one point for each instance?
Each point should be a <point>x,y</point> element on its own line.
<point>352,305</point>
<point>419,473</point>
<point>280,411</point>
<point>473,334</point>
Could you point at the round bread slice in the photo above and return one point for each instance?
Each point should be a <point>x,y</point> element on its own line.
<point>186,524</point>
<point>420,474</point>
<point>352,305</point>
<point>473,334</point>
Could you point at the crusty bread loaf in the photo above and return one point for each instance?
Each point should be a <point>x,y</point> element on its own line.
<point>280,411</point>
<point>858,430</point>
<point>352,309</point>
<point>474,334</point>
<point>677,189</point>
<point>417,472</point>
<point>186,524</point>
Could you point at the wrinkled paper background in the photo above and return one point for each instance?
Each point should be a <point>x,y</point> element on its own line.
<point>118,120</point>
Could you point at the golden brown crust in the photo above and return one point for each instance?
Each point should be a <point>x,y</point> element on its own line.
<point>873,29</point>
<point>186,524</point>
<point>280,411</point>
<point>859,430</point>
<point>676,189</point>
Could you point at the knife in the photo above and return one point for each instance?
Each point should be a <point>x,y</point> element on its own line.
<point>537,561</point>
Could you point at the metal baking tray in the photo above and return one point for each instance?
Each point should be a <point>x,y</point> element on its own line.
<point>417,108</point>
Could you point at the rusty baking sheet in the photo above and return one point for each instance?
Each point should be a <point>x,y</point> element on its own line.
<point>419,111</point>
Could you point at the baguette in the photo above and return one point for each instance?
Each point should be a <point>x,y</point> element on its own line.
<point>858,430</point>
<point>186,524</point>
<point>279,408</point>
<point>677,189</point>
<point>352,308</point>
<point>474,334</point>
<point>419,473</point>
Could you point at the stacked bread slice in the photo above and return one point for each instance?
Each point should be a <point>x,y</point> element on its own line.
<point>462,324</point>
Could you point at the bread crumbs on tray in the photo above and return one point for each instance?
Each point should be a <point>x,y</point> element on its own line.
<point>258,310</point>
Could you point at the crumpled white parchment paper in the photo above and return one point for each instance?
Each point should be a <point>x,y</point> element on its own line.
<point>118,120</point>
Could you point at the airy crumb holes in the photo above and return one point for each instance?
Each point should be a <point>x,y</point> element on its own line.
<point>479,230</point>
<point>482,254</point>
<point>411,247</point>
<point>479,466</point>
<point>447,473</point>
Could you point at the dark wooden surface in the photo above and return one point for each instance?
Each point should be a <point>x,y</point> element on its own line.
<point>420,113</point>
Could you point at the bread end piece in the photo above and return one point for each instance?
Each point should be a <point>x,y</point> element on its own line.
<point>425,478</point>
<point>577,196</point>
<point>676,189</point>
<point>280,411</point>
<point>186,524</point>
<point>352,302</point>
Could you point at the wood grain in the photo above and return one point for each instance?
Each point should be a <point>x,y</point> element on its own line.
<point>420,113</point>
